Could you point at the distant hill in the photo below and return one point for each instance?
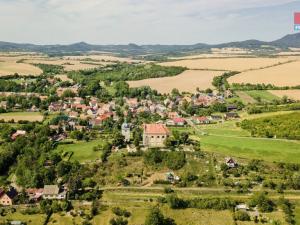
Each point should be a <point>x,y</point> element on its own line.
<point>291,40</point>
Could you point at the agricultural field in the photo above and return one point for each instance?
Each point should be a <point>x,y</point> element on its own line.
<point>10,66</point>
<point>102,58</point>
<point>292,94</point>
<point>187,81</point>
<point>228,64</point>
<point>17,116</point>
<point>281,75</point>
<point>264,96</point>
<point>82,151</point>
<point>68,65</point>
<point>245,98</point>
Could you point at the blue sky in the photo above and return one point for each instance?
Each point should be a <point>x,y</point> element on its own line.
<point>144,21</point>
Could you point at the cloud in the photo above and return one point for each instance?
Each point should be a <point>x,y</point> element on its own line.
<point>124,21</point>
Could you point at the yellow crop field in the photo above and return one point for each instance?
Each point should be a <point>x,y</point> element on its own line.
<point>282,75</point>
<point>293,94</point>
<point>10,66</point>
<point>187,81</point>
<point>232,64</point>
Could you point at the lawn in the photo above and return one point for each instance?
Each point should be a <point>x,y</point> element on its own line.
<point>16,116</point>
<point>36,219</point>
<point>82,151</point>
<point>263,95</point>
<point>247,147</point>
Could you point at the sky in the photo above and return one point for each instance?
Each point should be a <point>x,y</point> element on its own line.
<point>145,21</point>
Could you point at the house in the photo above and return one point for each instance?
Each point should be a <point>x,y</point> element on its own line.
<point>172,115</point>
<point>154,135</point>
<point>179,121</point>
<point>231,115</point>
<point>100,119</point>
<point>231,107</point>
<point>17,134</point>
<point>172,178</point>
<point>3,104</point>
<point>55,107</point>
<point>230,162</point>
<point>7,197</point>
<point>54,192</point>
<point>200,120</point>
<point>34,194</point>
<point>132,103</point>
<point>216,118</point>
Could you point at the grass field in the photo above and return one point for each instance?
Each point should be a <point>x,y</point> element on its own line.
<point>245,97</point>
<point>232,64</point>
<point>187,81</point>
<point>82,151</point>
<point>263,95</point>
<point>282,75</point>
<point>16,116</point>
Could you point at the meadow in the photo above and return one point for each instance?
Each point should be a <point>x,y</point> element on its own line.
<point>17,116</point>
<point>187,81</point>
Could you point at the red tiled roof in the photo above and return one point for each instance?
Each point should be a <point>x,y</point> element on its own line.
<point>179,120</point>
<point>201,118</point>
<point>156,129</point>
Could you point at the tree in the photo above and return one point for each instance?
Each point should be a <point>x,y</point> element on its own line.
<point>155,217</point>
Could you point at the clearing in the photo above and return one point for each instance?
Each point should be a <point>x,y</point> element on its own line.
<point>187,81</point>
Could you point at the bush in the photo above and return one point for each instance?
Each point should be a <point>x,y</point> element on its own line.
<point>241,216</point>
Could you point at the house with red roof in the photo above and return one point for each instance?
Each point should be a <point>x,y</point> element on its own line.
<point>200,120</point>
<point>154,135</point>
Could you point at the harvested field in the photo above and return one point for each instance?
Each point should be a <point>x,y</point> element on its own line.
<point>17,116</point>
<point>187,81</point>
<point>68,65</point>
<point>9,66</point>
<point>282,75</point>
<point>232,64</point>
<point>293,94</point>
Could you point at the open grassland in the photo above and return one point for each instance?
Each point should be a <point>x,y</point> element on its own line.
<point>36,219</point>
<point>262,95</point>
<point>282,75</point>
<point>292,94</point>
<point>17,116</point>
<point>187,81</point>
<point>225,64</point>
<point>82,151</point>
